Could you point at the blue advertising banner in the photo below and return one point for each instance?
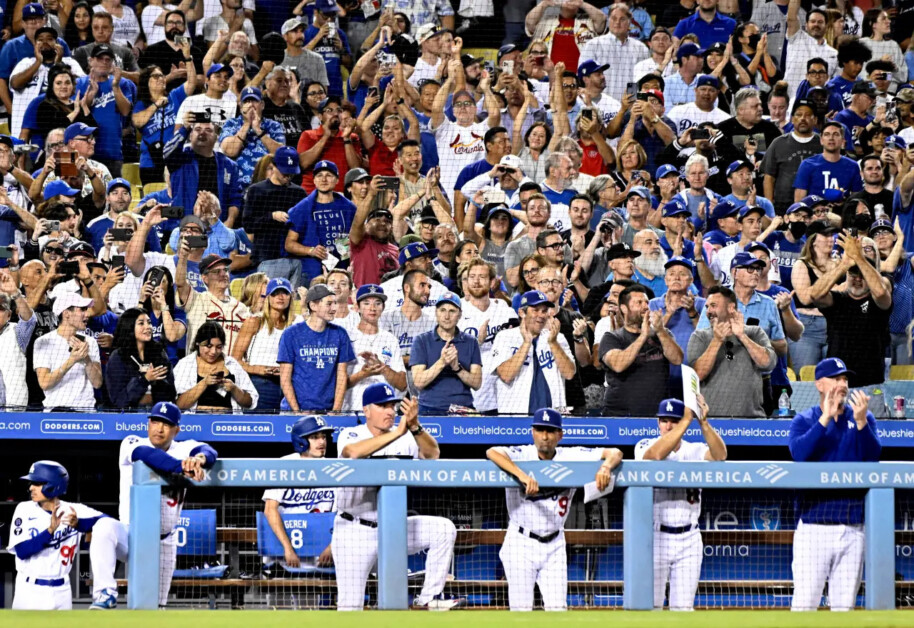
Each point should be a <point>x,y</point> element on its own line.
<point>195,534</point>
<point>592,431</point>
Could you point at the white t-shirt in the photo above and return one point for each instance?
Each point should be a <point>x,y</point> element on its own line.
<point>55,560</point>
<point>214,7</point>
<point>151,12</point>
<point>547,511</point>
<point>393,288</point>
<point>74,389</point>
<point>688,115</point>
<point>499,317</point>
<point>423,71</point>
<point>37,86</point>
<point>385,346</point>
<point>126,28</point>
<point>212,26</point>
<point>458,146</point>
<point>514,398</point>
<point>362,502</point>
<point>302,500</point>
<point>676,507</point>
<point>608,107</point>
<point>221,110</point>
<point>126,294</point>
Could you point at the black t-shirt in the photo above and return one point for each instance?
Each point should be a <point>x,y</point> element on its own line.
<point>574,387</point>
<point>643,385</point>
<point>209,180</point>
<point>46,323</point>
<point>291,116</point>
<point>858,333</point>
<point>261,200</point>
<point>881,200</point>
<point>164,56</point>
<point>763,133</point>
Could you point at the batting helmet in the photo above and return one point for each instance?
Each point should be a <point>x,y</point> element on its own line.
<point>305,427</point>
<point>51,475</point>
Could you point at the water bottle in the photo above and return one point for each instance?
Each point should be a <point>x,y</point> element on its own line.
<point>784,404</point>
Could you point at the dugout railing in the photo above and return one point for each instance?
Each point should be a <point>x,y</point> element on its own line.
<point>638,479</point>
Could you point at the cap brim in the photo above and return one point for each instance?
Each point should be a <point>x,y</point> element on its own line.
<point>549,425</point>
<point>376,295</point>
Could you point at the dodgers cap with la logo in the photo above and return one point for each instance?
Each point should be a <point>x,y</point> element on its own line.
<point>672,408</point>
<point>547,417</point>
<point>286,160</point>
<point>832,367</point>
<point>379,393</point>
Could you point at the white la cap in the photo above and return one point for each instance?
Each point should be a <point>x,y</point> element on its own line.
<point>511,161</point>
<point>68,300</point>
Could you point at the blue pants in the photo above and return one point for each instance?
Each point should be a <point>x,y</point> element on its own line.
<point>812,347</point>
<point>270,393</point>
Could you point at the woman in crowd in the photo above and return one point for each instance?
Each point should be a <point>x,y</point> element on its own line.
<point>533,148</point>
<point>492,240</point>
<point>78,31</point>
<point>239,78</point>
<point>139,373</point>
<point>526,278</point>
<point>720,62</point>
<point>631,160</point>
<point>60,108</point>
<point>169,322</point>
<point>465,251</point>
<point>209,381</point>
<point>114,247</point>
<point>254,291</point>
<point>815,260</point>
<point>257,346</point>
<point>263,170</point>
<point>877,33</point>
<point>313,93</point>
<point>382,154</point>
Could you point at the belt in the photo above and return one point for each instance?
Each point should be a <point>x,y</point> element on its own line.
<point>677,530</point>
<point>44,582</point>
<point>354,519</point>
<point>162,537</point>
<point>542,538</point>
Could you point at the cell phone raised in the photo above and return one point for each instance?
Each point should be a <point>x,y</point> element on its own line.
<point>631,89</point>
<point>173,211</point>
<point>642,96</point>
<point>53,225</point>
<point>6,252</point>
<point>155,277</point>
<point>66,164</point>
<point>118,261</point>
<point>121,235</point>
<point>68,268</point>
<point>700,134</point>
<point>507,66</point>
<point>196,242</point>
<point>390,183</point>
<point>587,114</point>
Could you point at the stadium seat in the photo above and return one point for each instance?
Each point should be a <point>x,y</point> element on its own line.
<point>319,526</point>
<point>808,373</point>
<point>150,188</point>
<point>487,54</point>
<point>131,172</point>
<point>791,375</point>
<point>901,372</point>
<point>235,288</point>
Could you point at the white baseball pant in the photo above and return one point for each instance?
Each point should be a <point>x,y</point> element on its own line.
<point>528,562</point>
<point>110,544</point>
<point>827,552</point>
<point>355,552</point>
<point>677,559</point>
<point>35,597</point>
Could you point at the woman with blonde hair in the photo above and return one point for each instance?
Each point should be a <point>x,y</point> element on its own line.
<point>537,63</point>
<point>257,347</point>
<point>263,170</point>
<point>253,291</point>
<point>630,159</point>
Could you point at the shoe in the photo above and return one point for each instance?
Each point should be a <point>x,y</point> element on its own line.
<point>104,602</point>
<point>439,604</point>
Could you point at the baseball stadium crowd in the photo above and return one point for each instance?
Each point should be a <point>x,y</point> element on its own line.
<point>493,207</point>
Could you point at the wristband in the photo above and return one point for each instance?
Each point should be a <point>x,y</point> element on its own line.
<point>417,431</point>
<point>188,60</point>
<point>578,339</point>
<point>347,142</point>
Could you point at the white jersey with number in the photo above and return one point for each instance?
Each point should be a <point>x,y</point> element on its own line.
<point>362,502</point>
<point>499,316</point>
<point>302,500</point>
<point>546,511</point>
<point>676,507</point>
<point>172,499</point>
<point>55,560</point>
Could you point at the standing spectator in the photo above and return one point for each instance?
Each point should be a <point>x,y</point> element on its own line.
<point>852,56</point>
<point>637,357</point>
<point>57,108</point>
<point>78,31</point>
<point>309,65</point>
<point>281,105</point>
<point>803,45</point>
<point>126,26</point>
<point>680,87</point>
<point>231,19</point>
<point>839,430</point>
<point>169,56</point>
<point>748,126</point>
<point>333,142</point>
<point>679,306</point>
<point>532,361</point>
<point>771,19</point>
<point>102,31</point>
<point>446,363</point>
<point>855,117</point>
<point>67,362</point>
<point>741,177</point>
<point>194,166</point>
<point>414,256</point>
<point>372,253</point>
<point>649,128</point>
<point>660,61</point>
<point>250,136</point>
<point>877,36</point>
<point>617,50</point>
<point>15,339</point>
<point>427,65</point>
<point>786,153</point>
<point>786,242</point>
<point>408,320</point>
<point>257,348</point>
<point>156,19</point>
<point>708,24</point>
<point>830,170</point>
<point>169,322</point>
<point>217,101</point>
<point>332,47</point>
<point>113,102</point>
<point>730,356</point>
<point>565,27</point>
<point>155,116</point>
<point>209,381</point>
<point>649,266</point>
<point>138,373</point>
<point>314,357</point>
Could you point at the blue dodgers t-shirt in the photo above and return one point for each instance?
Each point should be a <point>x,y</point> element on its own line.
<point>447,388</point>
<point>97,229</point>
<point>842,88</point>
<point>853,123</point>
<point>786,254</point>
<point>321,224</point>
<point>327,49</point>
<point>817,175</point>
<point>158,332</point>
<point>110,121</point>
<point>314,357</point>
<point>19,48</point>
<point>161,126</point>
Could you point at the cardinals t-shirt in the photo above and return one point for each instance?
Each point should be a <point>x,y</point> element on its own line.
<point>458,146</point>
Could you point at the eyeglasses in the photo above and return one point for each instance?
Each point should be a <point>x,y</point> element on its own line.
<point>54,251</point>
<point>527,273</point>
<point>88,140</point>
<point>729,346</point>
<point>55,145</point>
<point>174,23</point>
<point>546,282</point>
<point>569,86</point>
<point>463,104</point>
<point>817,72</point>
<point>752,270</point>
<point>157,75</point>
<point>311,94</point>
<point>555,246</point>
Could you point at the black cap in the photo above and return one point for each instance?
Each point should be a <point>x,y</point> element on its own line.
<point>428,215</point>
<point>864,87</point>
<point>468,60</point>
<point>212,260</point>
<point>45,29</point>
<point>100,50</point>
<point>820,226</point>
<point>81,248</point>
<point>803,102</point>
<point>620,249</point>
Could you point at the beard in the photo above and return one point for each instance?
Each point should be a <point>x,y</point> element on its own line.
<point>652,265</point>
<point>171,34</point>
<point>477,292</point>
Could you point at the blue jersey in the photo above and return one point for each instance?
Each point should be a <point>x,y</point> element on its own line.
<point>786,254</point>
<point>328,50</point>
<point>841,87</point>
<point>254,148</point>
<point>816,175</point>
<point>321,224</point>
<point>853,123</point>
<point>158,331</point>
<point>717,31</point>
<point>97,228</point>
<point>161,126</point>
<point>314,357</point>
<point>110,121</point>
<point>471,171</point>
<point>19,48</point>
<point>760,201</point>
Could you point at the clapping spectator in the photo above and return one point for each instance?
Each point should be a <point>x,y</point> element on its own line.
<point>249,136</point>
<point>209,381</point>
<point>138,373</point>
<point>101,32</point>
<point>15,338</point>
<point>58,108</point>
<point>281,103</point>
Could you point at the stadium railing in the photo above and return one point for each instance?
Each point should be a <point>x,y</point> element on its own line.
<point>638,479</point>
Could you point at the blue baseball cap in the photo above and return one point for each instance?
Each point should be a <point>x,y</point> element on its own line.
<point>639,190</point>
<point>812,200</point>
<point>113,183</point>
<point>326,6</point>
<point>665,170</point>
<point>379,393</point>
<point>590,67</point>
<point>745,260</point>
<point>326,165</point>
<point>286,160</point>
<point>678,260</point>
<point>32,10</point>
<point>739,163</point>
<point>671,408</point>
<point>897,141</point>
<point>547,417</point>
<point>799,207</point>
<point>833,196</point>
<point>251,92</point>
<point>279,283</point>
<point>724,209</point>
<point>832,367</point>
<point>506,49</point>
<point>745,210</point>
<point>58,188</point>
<point>166,411</point>
<point>688,49</point>
<point>533,298</point>
<point>675,208</point>
<point>449,297</point>
<point>755,245</point>
<point>217,67</point>
<point>880,225</point>
<point>76,129</point>
<point>370,290</point>
<point>707,80</point>
<point>414,250</point>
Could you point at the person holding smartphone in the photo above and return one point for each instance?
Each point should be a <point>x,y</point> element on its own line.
<point>139,372</point>
<point>207,380</point>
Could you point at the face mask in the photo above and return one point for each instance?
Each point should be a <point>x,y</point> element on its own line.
<point>797,229</point>
<point>754,41</point>
<point>863,222</point>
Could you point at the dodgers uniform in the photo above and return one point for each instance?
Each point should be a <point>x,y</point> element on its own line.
<point>44,560</point>
<point>355,532</point>
<point>500,316</point>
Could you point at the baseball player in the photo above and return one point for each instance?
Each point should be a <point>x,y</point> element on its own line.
<point>165,455</point>
<point>534,547</point>
<point>829,541</point>
<point>45,537</point>
<point>310,437</point>
<point>678,548</point>
<point>355,530</point>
